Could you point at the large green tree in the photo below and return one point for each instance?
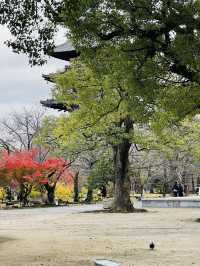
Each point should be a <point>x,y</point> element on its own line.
<point>105,114</point>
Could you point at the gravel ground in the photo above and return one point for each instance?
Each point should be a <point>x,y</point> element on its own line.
<point>67,236</point>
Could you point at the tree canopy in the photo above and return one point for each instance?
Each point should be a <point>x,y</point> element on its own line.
<point>153,33</point>
<point>149,37</point>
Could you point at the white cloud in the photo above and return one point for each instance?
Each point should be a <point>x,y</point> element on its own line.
<point>20,84</point>
<point>9,109</point>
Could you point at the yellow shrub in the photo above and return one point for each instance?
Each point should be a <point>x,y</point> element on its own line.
<point>96,194</point>
<point>64,193</point>
<point>35,194</point>
<point>2,193</point>
<point>83,193</point>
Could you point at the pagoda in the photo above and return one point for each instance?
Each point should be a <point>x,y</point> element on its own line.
<point>65,52</point>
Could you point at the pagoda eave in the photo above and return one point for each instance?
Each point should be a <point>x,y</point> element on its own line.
<point>50,103</point>
<point>65,51</point>
<point>65,55</point>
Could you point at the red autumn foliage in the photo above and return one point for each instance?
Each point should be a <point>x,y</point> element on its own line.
<point>20,166</point>
<point>67,177</point>
<point>23,167</point>
<point>54,163</point>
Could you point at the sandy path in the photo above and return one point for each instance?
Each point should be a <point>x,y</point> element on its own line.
<point>62,236</point>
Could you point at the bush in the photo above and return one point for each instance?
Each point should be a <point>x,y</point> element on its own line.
<point>83,193</point>
<point>35,194</point>
<point>96,194</point>
<point>64,193</point>
<point>2,193</point>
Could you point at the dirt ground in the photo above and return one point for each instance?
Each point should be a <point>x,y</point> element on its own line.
<point>63,236</point>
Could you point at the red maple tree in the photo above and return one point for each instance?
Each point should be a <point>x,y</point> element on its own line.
<point>55,169</point>
<point>23,170</point>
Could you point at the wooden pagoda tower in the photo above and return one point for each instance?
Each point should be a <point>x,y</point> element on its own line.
<point>65,52</point>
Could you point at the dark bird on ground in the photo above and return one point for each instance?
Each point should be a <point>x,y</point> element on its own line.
<point>152,245</point>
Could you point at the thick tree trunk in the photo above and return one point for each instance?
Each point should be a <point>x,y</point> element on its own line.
<point>8,194</point>
<point>25,190</point>
<point>89,197</point>
<point>50,193</point>
<point>76,190</point>
<point>122,202</point>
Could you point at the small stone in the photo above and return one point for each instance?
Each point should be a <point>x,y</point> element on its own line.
<point>105,263</point>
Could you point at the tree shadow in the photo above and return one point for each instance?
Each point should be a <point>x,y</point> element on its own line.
<point>4,239</point>
<point>112,211</point>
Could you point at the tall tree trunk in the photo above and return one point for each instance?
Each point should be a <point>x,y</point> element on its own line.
<point>193,185</point>
<point>76,190</point>
<point>164,188</point>
<point>25,190</point>
<point>122,202</point>
<point>89,197</point>
<point>50,193</point>
<point>8,194</point>
<point>198,181</point>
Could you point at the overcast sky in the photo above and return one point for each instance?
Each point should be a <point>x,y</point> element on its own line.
<point>22,85</point>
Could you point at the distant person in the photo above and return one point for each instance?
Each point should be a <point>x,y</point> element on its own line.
<point>180,190</point>
<point>175,189</point>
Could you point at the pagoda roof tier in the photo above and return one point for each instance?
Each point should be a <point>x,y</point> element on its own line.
<point>51,76</point>
<point>50,103</point>
<point>65,51</point>
<point>48,77</point>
